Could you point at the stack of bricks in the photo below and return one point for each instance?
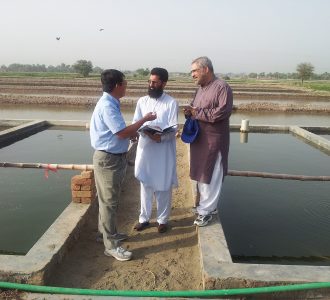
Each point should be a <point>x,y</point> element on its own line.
<point>83,187</point>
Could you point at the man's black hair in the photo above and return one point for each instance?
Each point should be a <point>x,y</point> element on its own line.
<point>110,78</point>
<point>161,73</point>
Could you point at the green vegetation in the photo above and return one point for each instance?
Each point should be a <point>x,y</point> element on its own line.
<point>305,71</point>
<point>83,67</point>
<point>47,75</point>
<point>318,85</point>
<point>38,74</point>
<point>142,72</point>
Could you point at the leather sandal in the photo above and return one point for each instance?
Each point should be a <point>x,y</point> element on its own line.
<point>141,226</point>
<point>162,228</point>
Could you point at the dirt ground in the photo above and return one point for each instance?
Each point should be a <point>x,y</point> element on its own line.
<point>86,92</point>
<point>168,261</point>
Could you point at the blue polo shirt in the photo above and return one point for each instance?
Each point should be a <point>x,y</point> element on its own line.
<point>106,121</point>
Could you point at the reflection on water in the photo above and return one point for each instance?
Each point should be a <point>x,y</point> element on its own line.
<point>29,202</point>
<point>276,218</point>
<point>260,217</point>
<point>47,112</point>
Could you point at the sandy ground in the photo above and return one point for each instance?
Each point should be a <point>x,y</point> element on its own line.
<point>86,92</point>
<point>168,261</point>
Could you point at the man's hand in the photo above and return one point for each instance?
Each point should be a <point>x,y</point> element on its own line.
<point>155,137</point>
<point>150,116</point>
<point>134,138</point>
<point>189,111</point>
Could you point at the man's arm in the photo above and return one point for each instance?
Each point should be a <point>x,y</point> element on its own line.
<point>219,112</point>
<point>133,128</point>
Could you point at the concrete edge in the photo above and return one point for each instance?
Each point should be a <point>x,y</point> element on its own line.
<point>219,272</point>
<point>314,139</point>
<point>20,131</point>
<point>217,268</point>
<point>14,122</point>
<point>36,265</point>
<point>75,123</point>
<point>261,128</point>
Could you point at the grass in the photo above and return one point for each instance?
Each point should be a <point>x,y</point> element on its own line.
<point>316,85</point>
<point>323,85</point>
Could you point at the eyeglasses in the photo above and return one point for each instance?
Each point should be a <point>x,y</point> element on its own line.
<point>195,70</point>
<point>151,82</point>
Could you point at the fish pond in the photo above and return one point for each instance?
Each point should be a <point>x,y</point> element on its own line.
<point>264,220</point>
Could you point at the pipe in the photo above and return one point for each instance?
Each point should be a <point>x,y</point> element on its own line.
<point>47,166</point>
<point>245,126</point>
<point>230,172</point>
<point>190,293</point>
<point>278,176</point>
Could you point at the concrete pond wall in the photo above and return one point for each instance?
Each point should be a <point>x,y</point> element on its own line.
<point>218,270</point>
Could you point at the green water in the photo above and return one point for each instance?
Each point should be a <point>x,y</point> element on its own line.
<point>29,201</point>
<point>266,218</point>
<point>273,218</point>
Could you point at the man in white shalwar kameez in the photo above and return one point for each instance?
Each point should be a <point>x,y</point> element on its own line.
<point>155,163</point>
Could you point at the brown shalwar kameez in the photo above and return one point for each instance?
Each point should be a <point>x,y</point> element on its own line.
<point>213,104</point>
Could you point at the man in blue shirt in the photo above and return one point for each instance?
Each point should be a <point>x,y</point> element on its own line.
<point>110,139</point>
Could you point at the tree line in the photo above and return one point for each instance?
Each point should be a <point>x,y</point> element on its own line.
<point>296,76</point>
<point>82,67</point>
<point>305,71</point>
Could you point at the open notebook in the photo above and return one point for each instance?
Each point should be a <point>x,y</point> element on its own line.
<point>154,129</point>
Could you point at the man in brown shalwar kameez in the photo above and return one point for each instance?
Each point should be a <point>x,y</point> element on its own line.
<point>211,106</point>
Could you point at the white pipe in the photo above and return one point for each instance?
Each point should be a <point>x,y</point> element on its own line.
<point>245,126</point>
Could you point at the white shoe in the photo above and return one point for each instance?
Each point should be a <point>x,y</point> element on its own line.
<point>119,253</point>
<point>194,211</point>
<point>202,221</point>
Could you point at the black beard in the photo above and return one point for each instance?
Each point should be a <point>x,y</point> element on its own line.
<point>155,93</point>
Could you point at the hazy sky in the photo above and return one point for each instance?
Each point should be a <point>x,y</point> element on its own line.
<point>237,35</point>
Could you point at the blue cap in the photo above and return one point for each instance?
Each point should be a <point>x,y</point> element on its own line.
<point>190,130</point>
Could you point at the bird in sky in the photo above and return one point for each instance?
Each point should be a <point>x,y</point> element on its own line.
<point>58,38</point>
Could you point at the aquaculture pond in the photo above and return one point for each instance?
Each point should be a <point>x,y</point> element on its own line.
<point>265,220</point>
<point>273,220</point>
<point>31,199</point>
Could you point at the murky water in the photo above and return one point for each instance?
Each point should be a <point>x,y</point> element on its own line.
<point>262,217</point>
<point>276,218</point>
<point>47,112</point>
<point>29,201</point>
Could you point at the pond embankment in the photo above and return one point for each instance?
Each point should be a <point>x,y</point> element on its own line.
<point>86,92</point>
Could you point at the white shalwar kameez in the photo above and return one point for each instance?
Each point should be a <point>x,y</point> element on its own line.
<point>155,163</point>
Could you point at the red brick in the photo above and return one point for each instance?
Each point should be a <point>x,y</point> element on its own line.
<point>87,174</point>
<point>81,181</point>
<point>76,200</point>
<point>74,178</point>
<point>88,187</point>
<point>86,200</point>
<point>75,187</point>
<point>82,194</point>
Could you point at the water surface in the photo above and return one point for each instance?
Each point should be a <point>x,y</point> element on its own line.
<point>261,217</point>
<point>271,217</point>
<point>47,112</point>
<point>29,201</point>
